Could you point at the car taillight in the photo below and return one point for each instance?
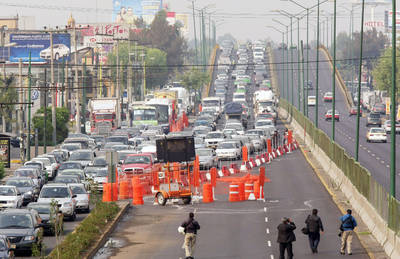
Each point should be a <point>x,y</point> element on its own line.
<point>371,135</point>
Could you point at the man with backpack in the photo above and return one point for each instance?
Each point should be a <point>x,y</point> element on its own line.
<point>191,226</point>
<point>314,225</point>
<point>348,223</point>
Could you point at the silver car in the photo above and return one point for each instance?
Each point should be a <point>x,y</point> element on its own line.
<point>207,157</point>
<point>82,196</point>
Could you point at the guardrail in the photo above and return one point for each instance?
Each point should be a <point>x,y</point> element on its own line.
<point>342,85</point>
<point>377,208</point>
<point>206,90</point>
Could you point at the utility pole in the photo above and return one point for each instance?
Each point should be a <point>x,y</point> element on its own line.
<point>359,80</point>
<point>334,71</point>
<point>63,83</point>
<point>129,90</point>
<point>77,92</point>
<point>28,137</point>
<point>83,129</point>
<point>393,107</point>
<point>291,57</point>
<point>54,91</point>
<point>45,112</point>
<point>317,72</point>
<point>302,73</point>
<point>118,89</point>
<point>195,36</point>
<point>298,66</point>
<point>308,50</point>
<point>66,86</point>
<point>203,25</point>
<point>21,97</point>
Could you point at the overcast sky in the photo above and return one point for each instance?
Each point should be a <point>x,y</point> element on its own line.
<point>246,19</point>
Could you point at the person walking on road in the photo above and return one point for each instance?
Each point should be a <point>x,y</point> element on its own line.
<point>191,226</point>
<point>286,237</point>
<point>348,223</point>
<point>314,225</point>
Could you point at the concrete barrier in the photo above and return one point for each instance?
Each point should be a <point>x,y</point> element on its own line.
<point>369,215</point>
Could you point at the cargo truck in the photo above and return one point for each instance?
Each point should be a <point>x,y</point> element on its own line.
<point>106,109</point>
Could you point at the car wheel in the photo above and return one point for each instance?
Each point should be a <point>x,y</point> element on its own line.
<point>161,200</point>
<point>368,140</point>
<point>385,141</point>
<point>187,200</point>
<point>56,56</point>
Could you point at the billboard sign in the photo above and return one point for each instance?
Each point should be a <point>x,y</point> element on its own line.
<point>127,11</point>
<point>39,47</point>
<point>5,151</point>
<point>374,24</point>
<point>388,20</point>
<point>118,31</point>
<point>97,41</point>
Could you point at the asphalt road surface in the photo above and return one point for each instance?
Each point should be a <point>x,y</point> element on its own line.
<point>374,156</point>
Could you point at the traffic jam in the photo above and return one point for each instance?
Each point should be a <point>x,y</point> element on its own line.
<point>231,128</point>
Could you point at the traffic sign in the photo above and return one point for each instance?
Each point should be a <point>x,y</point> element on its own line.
<point>35,94</point>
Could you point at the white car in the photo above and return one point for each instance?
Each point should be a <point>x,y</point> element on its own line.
<point>311,100</point>
<point>239,97</point>
<point>10,197</point>
<point>61,193</point>
<point>264,124</point>
<point>376,135</point>
<point>207,158</point>
<point>388,127</point>
<point>82,196</point>
<point>228,150</point>
<point>235,126</point>
<point>59,51</point>
<point>213,138</point>
<point>84,156</point>
<point>49,167</point>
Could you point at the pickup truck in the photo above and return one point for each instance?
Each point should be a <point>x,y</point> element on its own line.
<point>140,164</point>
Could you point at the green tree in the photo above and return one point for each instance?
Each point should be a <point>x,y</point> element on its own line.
<point>194,80</point>
<point>8,94</point>
<point>62,116</point>
<point>382,72</point>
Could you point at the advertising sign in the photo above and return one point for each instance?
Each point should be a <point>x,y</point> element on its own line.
<point>118,31</point>
<point>127,11</point>
<point>39,47</point>
<point>97,41</point>
<point>374,24</point>
<point>5,151</point>
<point>388,20</point>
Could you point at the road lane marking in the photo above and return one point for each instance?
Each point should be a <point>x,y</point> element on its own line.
<point>378,158</point>
<point>267,230</point>
<point>269,243</point>
<point>373,154</point>
<point>266,219</point>
<point>272,256</point>
<point>382,162</point>
<point>265,209</point>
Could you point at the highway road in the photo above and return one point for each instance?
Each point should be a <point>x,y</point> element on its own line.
<point>235,230</point>
<point>374,156</point>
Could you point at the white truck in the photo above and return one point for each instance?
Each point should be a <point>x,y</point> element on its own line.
<point>264,101</point>
<point>183,99</point>
<point>106,109</point>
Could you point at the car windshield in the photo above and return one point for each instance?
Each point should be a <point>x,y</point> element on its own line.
<point>71,147</point>
<point>100,161</point>
<point>377,130</point>
<point>120,139</point>
<point>86,156</point>
<point>78,189</point>
<point>66,180</point>
<point>102,173</point>
<point>375,115</point>
<point>19,183</point>
<point>210,103</point>
<point>120,147</point>
<point>264,123</point>
<point>8,220</point>
<point>204,152</point>
<point>200,132</point>
<point>227,145</point>
<point>198,141</point>
<point>234,126</point>
<point>201,123</point>
<point>45,161</point>
<point>24,173</point>
<point>214,135</point>
<point>54,192</point>
<point>69,166</point>
<point>7,191</point>
<point>137,160</point>
<point>40,208</point>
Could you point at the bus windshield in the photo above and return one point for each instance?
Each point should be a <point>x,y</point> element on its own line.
<point>144,114</point>
<point>212,103</point>
<point>104,116</point>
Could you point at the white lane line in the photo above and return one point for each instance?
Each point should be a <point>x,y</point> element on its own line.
<point>382,162</point>
<point>267,230</point>
<point>378,158</point>
<point>387,166</point>
<point>272,256</point>
<point>368,151</point>
<point>265,209</point>
<point>269,243</point>
<point>266,219</point>
<point>373,154</point>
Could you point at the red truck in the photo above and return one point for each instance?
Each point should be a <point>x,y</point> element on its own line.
<point>139,164</point>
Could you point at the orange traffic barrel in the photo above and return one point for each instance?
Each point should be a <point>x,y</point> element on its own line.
<point>114,191</point>
<point>137,192</point>
<point>234,192</point>
<point>241,191</point>
<point>106,192</point>
<point>257,190</point>
<point>207,193</point>
<point>248,189</point>
<point>123,190</point>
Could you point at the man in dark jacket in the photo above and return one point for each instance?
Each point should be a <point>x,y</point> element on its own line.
<point>286,237</point>
<point>314,225</point>
<point>191,226</point>
<point>348,224</point>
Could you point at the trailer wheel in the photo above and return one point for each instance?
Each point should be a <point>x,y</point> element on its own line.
<point>161,199</point>
<point>187,200</point>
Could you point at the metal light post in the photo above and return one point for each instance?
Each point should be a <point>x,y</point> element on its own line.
<point>317,72</point>
<point>29,108</point>
<point>393,107</point>
<point>283,57</point>
<point>359,81</point>
<point>334,72</point>
<point>287,58</point>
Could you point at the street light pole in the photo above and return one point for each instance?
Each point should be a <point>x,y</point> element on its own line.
<point>359,80</point>
<point>195,37</point>
<point>334,72</point>
<point>54,92</point>
<point>317,72</point>
<point>283,58</point>
<point>28,137</point>
<point>393,107</point>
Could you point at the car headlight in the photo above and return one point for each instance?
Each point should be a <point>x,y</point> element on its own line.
<point>29,238</point>
<point>67,204</point>
<point>28,193</point>
<point>12,201</point>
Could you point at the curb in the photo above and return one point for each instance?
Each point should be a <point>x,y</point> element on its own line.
<point>91,252</point>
